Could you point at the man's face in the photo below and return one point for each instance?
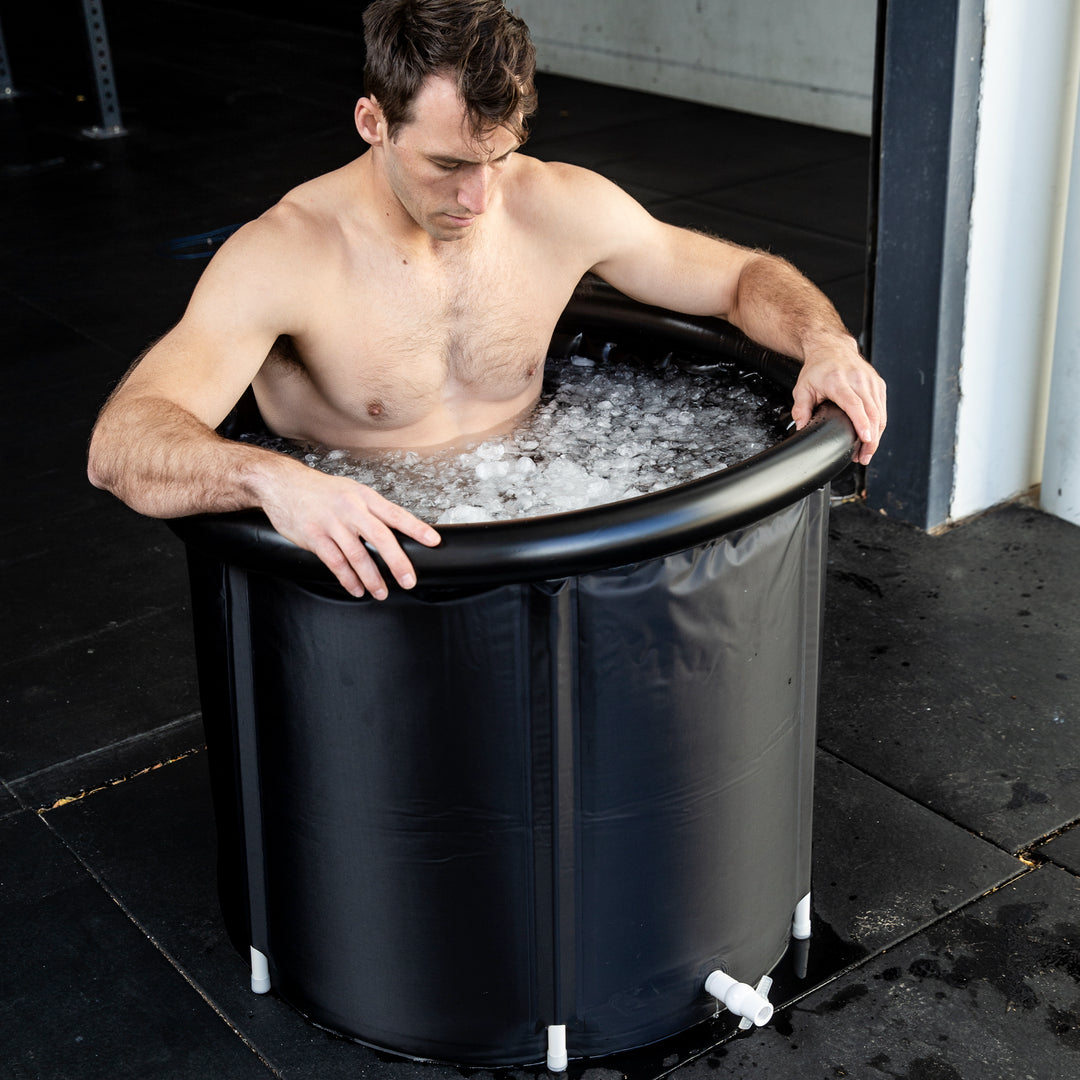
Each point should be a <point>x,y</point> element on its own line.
<point>442,175</point>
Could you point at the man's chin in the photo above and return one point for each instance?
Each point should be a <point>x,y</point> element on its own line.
<point>449,227</point>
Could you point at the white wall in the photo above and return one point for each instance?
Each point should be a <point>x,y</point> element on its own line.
<point>1022,164</point>
<point>809,62</point>
<point>1061,465</point>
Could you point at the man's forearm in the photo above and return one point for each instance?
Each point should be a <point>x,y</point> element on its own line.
<point>778,307</point>
<point>164,462</point>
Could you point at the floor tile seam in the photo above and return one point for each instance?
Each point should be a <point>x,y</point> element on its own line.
<point>112,748</point>
<point>20,807</point>
<point>1035,852</point>
<point>237,81</point>
<point>1026,871</point>
<point>104,631</point>
<point>795,171</point>
<point>147,168</point>
<point>1071,870</point>
<point>910,798</point>
<point>588,131</point>
<point>64,322</point>
<point>157,944</point>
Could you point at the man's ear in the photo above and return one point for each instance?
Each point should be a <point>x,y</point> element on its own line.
<point>370,121</point>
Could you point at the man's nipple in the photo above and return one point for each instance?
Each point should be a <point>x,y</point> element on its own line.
<point>375,408</point>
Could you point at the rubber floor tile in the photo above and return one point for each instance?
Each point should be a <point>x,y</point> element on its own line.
<point>829,198</point>
<point>708,149</point>
<point>950,666</point>
<point>85,578</point>
<point>574,110</point>
<point>863,831</point>
<point>8,803</point>
<point>1063,849</point>
<point>317,60</point>
<point>83,993</point>
<point>85,694</point>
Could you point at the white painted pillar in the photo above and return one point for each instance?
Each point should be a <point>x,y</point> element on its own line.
<point>1027,108</point>
<point>1061,466</point>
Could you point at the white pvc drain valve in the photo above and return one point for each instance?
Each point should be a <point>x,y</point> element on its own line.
<point>741,998</point>
<point>556,1051</point>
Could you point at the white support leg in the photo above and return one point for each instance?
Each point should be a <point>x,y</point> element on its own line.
<point>260,972</point>
<point>556,1052</point>
<point>800,924</point>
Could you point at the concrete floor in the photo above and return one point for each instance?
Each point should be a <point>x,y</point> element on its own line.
<point>946,935</point>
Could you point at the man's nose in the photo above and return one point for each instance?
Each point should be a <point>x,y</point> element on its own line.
<point>475,189</point>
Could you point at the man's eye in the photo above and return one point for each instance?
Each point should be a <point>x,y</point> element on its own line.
<point>445,168</point>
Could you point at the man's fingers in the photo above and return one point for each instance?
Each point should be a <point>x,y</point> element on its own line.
<point>339,565</point>
<point>858,390</point>
<point>333,518</point>
<point>397,517</point>
<point>363,566</point>
<point>386,544</point>
<point>374,522</point>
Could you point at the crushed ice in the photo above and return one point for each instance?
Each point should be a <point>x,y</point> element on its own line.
<point>599,434</point>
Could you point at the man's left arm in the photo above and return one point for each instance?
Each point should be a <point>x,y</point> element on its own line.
<point>777,306</point>
<point>762,294</point>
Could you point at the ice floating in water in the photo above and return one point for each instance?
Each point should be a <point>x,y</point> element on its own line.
<point>599,434</point>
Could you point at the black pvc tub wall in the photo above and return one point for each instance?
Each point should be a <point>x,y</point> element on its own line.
<point>558,783</point>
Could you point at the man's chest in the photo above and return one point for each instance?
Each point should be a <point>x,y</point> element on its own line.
<point>481,329</point>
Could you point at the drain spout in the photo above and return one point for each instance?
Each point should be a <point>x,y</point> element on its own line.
<point>740,998</point>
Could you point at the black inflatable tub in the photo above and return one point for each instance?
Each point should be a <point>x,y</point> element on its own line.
<point>549,791</point>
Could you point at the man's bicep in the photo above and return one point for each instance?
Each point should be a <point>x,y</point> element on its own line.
<point>206,361</point>
<point>656,262</point>
<point>676,268</point>
<point>201,371</point>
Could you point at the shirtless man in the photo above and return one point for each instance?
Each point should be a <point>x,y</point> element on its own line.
<point>408,299</point>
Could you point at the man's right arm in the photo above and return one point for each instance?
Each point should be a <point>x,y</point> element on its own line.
<point>155,447</point>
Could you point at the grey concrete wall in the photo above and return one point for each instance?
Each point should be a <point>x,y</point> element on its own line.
<point>808,62</point>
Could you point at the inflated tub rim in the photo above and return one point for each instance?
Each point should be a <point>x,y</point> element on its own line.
<point>598,537</point>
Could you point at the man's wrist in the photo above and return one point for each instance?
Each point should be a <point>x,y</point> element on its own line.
<point>826,345</point>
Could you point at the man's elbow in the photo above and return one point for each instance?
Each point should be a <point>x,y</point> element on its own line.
<point>98,471</point>
<point>96,476</point>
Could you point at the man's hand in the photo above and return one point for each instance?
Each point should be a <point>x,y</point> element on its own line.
<point>331,515</point>
<point>836,372</point>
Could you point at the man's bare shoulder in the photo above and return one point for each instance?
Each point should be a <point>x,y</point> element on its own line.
<point>559,179</point>
<point>568,201</point>
<point>303,223</point>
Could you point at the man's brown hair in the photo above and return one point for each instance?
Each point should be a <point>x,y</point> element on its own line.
<point>482,46</point>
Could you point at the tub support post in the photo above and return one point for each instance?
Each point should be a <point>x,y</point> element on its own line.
<point>741,998</point>
<point>800,924</point>
<point>260,972</point>
<point>248,758</point>
<point>556,1049</point>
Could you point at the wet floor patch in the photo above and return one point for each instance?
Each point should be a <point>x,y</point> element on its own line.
<point>991,994</point>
